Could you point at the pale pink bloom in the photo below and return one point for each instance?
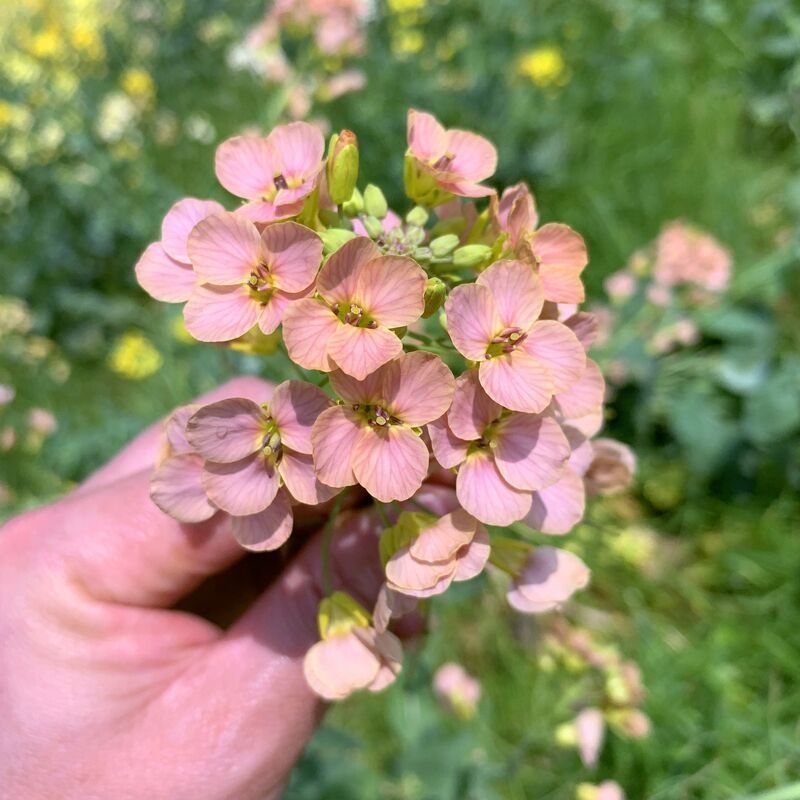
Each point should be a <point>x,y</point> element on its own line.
<point>524,361</point>
<point>663,341</point>
<point>274,173</point>
<point>685,254</point>
<point>612,469</point>
<point>247,278</point>
<point>42,421</point>
<point>686,332</point>
<point>350,80</point>
<point>452,548</point>
<point>590,728</point>
<point>620,286</point>
<point>362,295</point>
<point>347,661</point>
<point>607,790</point>
<point>584,398</point>
<point>391,605</point>
<point>457,690</point>
<point>8,438</point>
<point>511,466</point>
<point>164,270</point>
<point>299,103</point>
<point>549,578</point>
<point>374,438</point>
<point>176,485</point>
<point>585,326</point>
<point>634,723</point>
<point>457,161</point>
<point>659,295</point>
<point>560,256</point>
<point>7,394</point>
<point>258,459</point>
<point>515,213</point>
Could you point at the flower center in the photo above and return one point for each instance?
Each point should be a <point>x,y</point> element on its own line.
<point>353,314</point>
<point>376,416</point>
<point>280,182</point>
<point>505,342</point>
<point>445,161</point>
<point>260,283</point>
<point>271,447</point>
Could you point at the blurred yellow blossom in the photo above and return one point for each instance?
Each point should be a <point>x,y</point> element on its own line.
<point>138,84</point>
<point>402,6</point>
<point>544,66</point>
<point>134,356</point>
<point>407,42</point>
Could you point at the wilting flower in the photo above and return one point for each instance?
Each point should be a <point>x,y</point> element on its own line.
<point>424,555</point>
<point>247,277</point>
<point>590,728</point>
<point>685,254</point>
<point>511,466</point>
<point>363,294</point>
<point>374,438</point>
<point>524,361</point>
<point>352,655</point>
<point>549,578</point>
<point>274,173</point>
<point>164,270</point>
<point>612,468</point>
<point>441,163</point>
<point>457,690</point>
<point>258,458</point>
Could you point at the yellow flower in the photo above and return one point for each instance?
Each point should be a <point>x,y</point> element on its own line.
<point>407,42</point>
<point>46,43</point>
<point>138,84</point>
<point>544,66</point>
<point>87,41</point>
<point>134,356</point>
<point>401,6</point>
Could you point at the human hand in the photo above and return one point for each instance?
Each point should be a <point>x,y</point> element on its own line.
<point>108,690</point>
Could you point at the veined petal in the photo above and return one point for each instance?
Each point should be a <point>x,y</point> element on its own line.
<point>485,494</point>
<point>220,313</point>
<point>550,577</point>
<point>360,351</point>
<point>448,449</point>
<point>295,407</point>
<point>294,254</point>
<point>442,540</point>
<point>517,381</point>
<point>472,319</point>
<point>334,437</point>
<point>246,166</point>
<point>530,451</point>
<point>224,249</point>
<point>474,157</point>
<point>242,488</point>
<point>338,277</point>
<point>176,488</point>
<point>262,211</point>
<point>368,392</point>
<point>472,410</point>
<point>175,429</point>
<point>418,387</point>
<point>556,346</point>
<point>272,312</point>
<point>297,471</point>
<point>228,430</point>
<point>427,139</point>
<point>558,508</point>
<point>557,245</point>
<point>472,559</point>
<point>307,328</point>
<point>585,326</point>
<point>300,147</point>
<point>465,188</point>
<point>583,397</point>
<point>408,575</point>
<point>562,284</point>
<point>390,462</point>
<point>340,665</point>
<point>180,220</point>
<point>391,289</point>
<point>162,277</point>
<point>268,529</point>
<point>517,292</point>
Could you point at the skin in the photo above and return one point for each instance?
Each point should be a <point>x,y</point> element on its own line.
<point>127,671</point>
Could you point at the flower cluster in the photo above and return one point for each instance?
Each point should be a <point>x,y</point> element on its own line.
<point>444,374</point>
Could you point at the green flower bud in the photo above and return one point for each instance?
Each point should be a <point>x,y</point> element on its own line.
<point>342,166</point>
<point>417,216</point>
<point>355,205</point>
<point>471,255</point>
<point>435,294</point>
<point>374,202</point>
<point>333,239</point>
<point>414,235</point>
<point>442,246</point>
<point>373,226</point>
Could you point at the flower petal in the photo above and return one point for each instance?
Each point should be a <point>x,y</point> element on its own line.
<point>562,284</point>
<point>294,254</point>
<point>472,410</point>
<point>448,449</point>
<point>360,351</point>
<point>557,245</point>
<point>472,319</point>
<point>517,292</point>
<point>175,429</point>
<point>300,147</point>
<point>485,494</point>
<point>224,249</point>
<point>558,508</point>
<point>220,313</point>
<point>334,438</point>
<point>442,540</point>
<point>242,488</point>
<point>427,139</point>
<point>307,328</point>
<point>180,220</point>
<point>340,665</point>
<point>297,471</point>
<point>162,277</point>
<point>414,577</point>
<point>390,462</point>
<point>530,451</point>
<point>556,346</point>
<point>245,166</point>
<point>472,559</point>
<point>585,326</point>
<point>391,289</point>
<point>176,487</point>
<point>272,312</point>
<point>268,529</point>
<point>465,188</point>
<point>418,387</point>
<point>262,211</point>
<point>295,407</point>
<point>474,157</point>
<point>228,430</point>
<point>517,381</point>
<point>368,392</point>
<point>550,577</point>
<point>338,278</point>
<point>584,397</point>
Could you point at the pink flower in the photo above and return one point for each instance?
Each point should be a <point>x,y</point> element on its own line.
<point>560,256</point>
<point>549,578</point>
<point>685,254</point>
<point>612,468</point>
<point>7,394</point>
<point>523,362</point>
<point>42,421</point>
<point>455,161</point>
<point>607,790</point>
<point>374,439</point>
<point>511,466</point>
<point>164,270</point>
<point>258,459</point>
<point>362,296</point>
<point>274,173</point>
<point>452,548</point>
<point>247,278</point>
<point>620,285</point>
<point>515,213</point>
<point>457,690</point>
<point>590,728</point>
<point>659,295</point>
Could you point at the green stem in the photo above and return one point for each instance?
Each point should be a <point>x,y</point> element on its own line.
<point>381,509</point>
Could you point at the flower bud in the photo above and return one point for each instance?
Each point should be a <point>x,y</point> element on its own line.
<point>373,227</point>
<point>471,255</point>
<point>338,613</point>
<point>442,246</point>
<point>417,216</point>
<point>333,239</point>
<point>435,294</point>
<point>414,235</point>
<point>374,202</point>
<point>342,166</point>
<point>355,205</point>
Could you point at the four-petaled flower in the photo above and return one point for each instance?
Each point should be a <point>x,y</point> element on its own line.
<point>549,577</point>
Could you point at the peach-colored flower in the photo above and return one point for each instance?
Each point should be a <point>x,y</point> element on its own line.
<point>523,360</point>
<point>362,295</point>
<point>607,790</point>
<point>247,278</point>
<point>42,421</point>
<point>515,213</point>
<point>373,439</point>
<point>457,690</point>
<point>620,285</point>
<point>612,468</point>
<point>548,579</point>
<point>684,254</point>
